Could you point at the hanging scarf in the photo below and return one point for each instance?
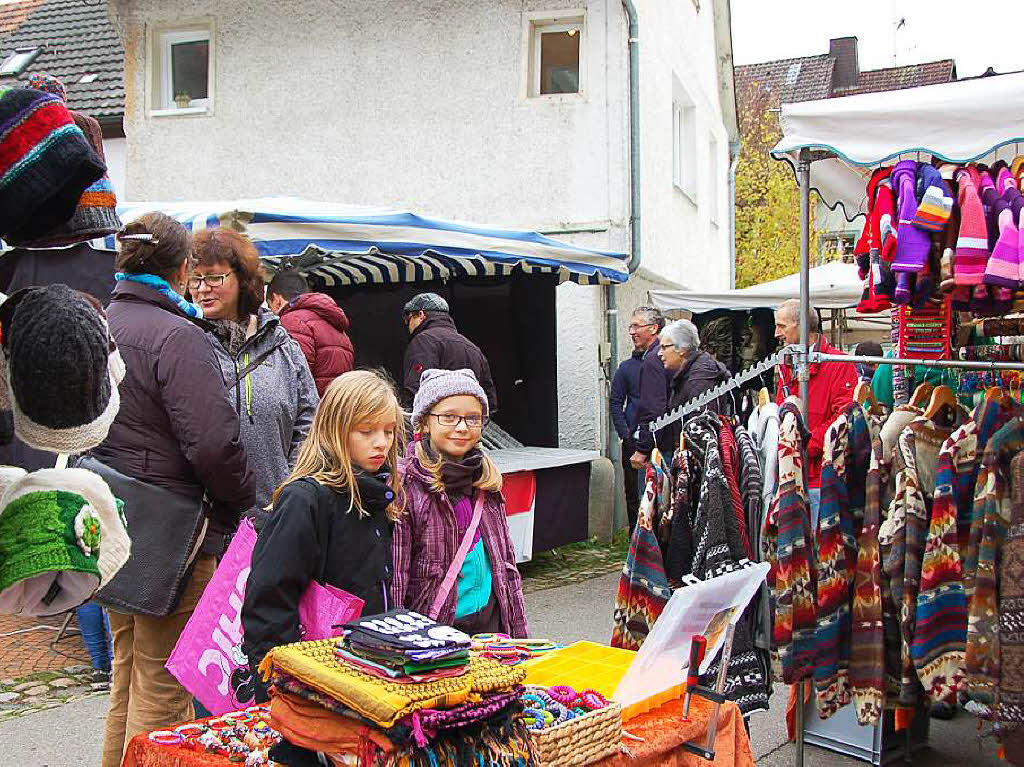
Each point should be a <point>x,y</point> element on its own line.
<point>163,287</point>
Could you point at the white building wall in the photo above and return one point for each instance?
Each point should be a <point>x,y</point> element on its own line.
<point>420,104</point>
<point>114,151</point>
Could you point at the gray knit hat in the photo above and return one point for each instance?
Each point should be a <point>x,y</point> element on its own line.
<point>436,385</point>
<point>425,302</point>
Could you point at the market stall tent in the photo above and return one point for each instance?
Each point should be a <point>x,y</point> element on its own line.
<point>834,285</point>
<point>832,144</point>
<point>981,119</point>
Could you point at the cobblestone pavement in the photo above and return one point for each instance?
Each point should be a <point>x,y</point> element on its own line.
<point>25,646</point>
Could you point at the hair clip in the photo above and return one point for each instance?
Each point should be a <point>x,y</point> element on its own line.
<point>141,236</point>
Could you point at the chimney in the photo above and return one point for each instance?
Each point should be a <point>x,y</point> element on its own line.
<point>844,51</point>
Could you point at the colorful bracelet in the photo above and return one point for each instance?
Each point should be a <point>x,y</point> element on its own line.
<point>563,694</point>
<point>190,730</point>
<point>166,737</point>
<point>592,700</point>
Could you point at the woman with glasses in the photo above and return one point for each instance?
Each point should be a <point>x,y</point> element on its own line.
<point>454,559</point>
<point>177,430</point>
<point>267,375</point>
<point>693,372</point>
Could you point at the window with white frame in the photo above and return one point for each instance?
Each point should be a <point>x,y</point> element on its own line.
<point>713,180</point>
<point>182,69</point>
<point>684,146</point>
<point>554,54</point>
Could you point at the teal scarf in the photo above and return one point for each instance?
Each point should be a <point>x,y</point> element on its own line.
<point>162,286</point>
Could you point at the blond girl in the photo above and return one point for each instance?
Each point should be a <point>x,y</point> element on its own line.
<point>332,518</point>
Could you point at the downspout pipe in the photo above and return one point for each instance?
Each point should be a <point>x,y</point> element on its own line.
<point>633,30</point>
<point>734,151</point>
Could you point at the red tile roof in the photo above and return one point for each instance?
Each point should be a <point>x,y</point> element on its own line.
<point>897,78</point>
<point>789,80</point>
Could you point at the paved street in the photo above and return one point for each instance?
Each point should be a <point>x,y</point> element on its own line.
<point>71,734</point>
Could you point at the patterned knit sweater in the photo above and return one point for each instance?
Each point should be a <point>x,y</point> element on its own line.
<point>717,552</point>
<point>873,661</point>
<point>730,454</point>
<point>902,535</point>
<point>840,518</point>
<point>790,552</point>
<point>679,552</point>
<point>987,535</point>
<point>1010,700</point>
<point>939,645</point>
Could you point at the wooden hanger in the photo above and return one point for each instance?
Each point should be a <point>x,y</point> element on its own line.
<point>863,394</point>
<point>997,394</point>
<point>921,395</point>
<point>942,397</point>
<point>763,397</point>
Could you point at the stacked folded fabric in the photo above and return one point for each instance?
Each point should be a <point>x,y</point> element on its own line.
<point>405,646</point>
<point>398,689</point>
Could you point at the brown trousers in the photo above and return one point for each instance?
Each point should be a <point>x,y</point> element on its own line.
<point>143,694</point>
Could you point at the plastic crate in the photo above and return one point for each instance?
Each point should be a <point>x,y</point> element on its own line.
<point>591,666</point>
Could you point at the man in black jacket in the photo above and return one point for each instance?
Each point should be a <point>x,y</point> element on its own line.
<point>436,343</point>
<point>644,327</point>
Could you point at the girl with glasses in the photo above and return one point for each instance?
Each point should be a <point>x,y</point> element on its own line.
<point>454,559</point>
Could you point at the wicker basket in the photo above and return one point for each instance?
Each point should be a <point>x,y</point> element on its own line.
<point>583,740</point>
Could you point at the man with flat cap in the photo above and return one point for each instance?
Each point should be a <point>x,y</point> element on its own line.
<point>435,342</point>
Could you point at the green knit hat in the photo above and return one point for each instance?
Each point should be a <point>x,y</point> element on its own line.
<point>50,541</point>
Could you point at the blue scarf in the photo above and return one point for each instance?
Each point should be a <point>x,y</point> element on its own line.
<point>162,286</point>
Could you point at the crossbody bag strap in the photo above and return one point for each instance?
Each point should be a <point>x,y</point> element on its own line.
<point>257,362</point>
<point>460,558</point>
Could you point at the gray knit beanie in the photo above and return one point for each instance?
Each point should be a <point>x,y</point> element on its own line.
<point>436,385</point>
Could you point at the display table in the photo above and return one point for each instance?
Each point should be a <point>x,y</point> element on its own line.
<point>662,731</point>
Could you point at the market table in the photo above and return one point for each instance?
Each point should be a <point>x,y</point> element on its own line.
<point>662,731</point>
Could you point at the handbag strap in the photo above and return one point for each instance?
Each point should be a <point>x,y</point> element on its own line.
<point>460,557</point>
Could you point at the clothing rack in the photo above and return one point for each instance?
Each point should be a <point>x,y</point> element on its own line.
<point>762,367</point>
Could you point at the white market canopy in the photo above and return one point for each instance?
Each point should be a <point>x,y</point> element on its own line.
<point>834,285</point>
<point>980,119</point>
<point>351,245</point>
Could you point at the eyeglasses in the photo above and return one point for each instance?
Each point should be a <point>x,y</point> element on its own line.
<point>664,345</point>
<point>634,328</point>
<point>211,280</point>
<point>450,419</point>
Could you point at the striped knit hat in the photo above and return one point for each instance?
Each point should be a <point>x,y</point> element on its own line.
<point>45,163</point>
<point>96,214</point>
<point>971,255</point>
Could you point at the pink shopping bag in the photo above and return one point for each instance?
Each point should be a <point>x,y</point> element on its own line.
<point>208,660</point>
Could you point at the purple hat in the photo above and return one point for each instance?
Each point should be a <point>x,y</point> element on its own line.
<point>436,385</point>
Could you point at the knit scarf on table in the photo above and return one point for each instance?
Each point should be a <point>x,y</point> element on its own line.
<point>162,286</point>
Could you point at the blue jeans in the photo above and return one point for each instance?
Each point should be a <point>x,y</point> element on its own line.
<point>96,634</point>
<point>814,496</point>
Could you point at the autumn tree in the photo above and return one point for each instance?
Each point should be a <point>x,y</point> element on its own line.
<point>767,196</point>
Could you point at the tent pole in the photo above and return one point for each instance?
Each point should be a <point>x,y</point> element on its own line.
<point>803,369</point>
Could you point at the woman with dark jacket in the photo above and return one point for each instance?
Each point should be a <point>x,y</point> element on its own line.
<point>693,372</point>
<point>176,429</point>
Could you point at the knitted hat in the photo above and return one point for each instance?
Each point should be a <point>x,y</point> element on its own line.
<point>45,163</point>
<point>436,385</point>
<point>1003,266</point>
<point>936,200</point>
<point>96,214</point>
<point>913,243</point>
<point>61,370</point>
<point>41,81</point>
<point>971,254</point>
<point>62,536</point>
<point>425,302</point>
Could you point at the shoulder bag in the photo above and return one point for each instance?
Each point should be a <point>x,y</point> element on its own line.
<point>166,530</point>
<point>459,559</point>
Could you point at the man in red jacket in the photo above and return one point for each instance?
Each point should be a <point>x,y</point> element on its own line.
<point>830,390</point>
<point>316,322</point>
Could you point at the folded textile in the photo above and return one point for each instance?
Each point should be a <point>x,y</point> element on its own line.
<point>402,636</point>
<point>399,675</point>
<point>384,701</point>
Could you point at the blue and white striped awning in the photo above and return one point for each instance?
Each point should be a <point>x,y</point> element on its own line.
<point>352,245</point>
